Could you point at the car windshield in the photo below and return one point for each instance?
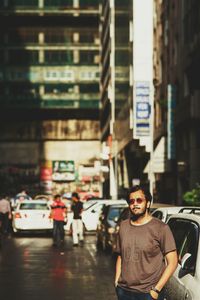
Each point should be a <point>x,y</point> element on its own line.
<point>39,206</point>
<point>114,212</point>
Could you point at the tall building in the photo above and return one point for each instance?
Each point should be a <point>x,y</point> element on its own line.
<point>49,100</point>
<point>126,92</point>
<point>177,95</point>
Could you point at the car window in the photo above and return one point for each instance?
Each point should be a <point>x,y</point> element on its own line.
<point>39,206</point>
<point>186,237</point>
<point>124,214</point>
<point>114,212</point>
<point>158,214</point>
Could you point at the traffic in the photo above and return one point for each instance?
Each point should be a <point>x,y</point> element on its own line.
<point>102,219</point>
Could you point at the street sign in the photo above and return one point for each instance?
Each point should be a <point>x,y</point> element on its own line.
<point>63,166</point>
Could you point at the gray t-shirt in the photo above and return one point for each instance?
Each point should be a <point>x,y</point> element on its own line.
<point>142,249</point>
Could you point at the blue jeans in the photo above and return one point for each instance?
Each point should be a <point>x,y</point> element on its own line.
<point>58,231</point>
<point>129,295</point>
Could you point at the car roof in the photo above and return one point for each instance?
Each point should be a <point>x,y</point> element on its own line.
<point>38,197</point>
<point>192,217</point>
<point>33,201</point>
<point>114,205</point>
<point>111,201</point>
<point>158,205</point>
<point>169,209</point>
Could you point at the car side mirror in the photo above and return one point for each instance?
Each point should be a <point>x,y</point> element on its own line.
<point>102,217</point>
<point>186,261</point>
<point>115,219</point>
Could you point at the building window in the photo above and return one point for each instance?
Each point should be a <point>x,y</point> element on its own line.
<point>23,57</point>
<point>58,36</point>
<point>59,57</point>
<point>58,2</point>
<point>23,3</point>
<point>88,57</point>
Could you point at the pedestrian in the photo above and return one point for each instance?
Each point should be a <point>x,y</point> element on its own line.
<point>77,224</point>
<point>59,212</point>
<point>146,249</point>
<point>5,215</point>
<point>21,197</point>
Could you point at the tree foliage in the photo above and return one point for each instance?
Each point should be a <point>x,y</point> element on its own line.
<point>192,197</point>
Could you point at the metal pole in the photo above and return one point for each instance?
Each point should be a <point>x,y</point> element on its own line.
<point>151,164</point>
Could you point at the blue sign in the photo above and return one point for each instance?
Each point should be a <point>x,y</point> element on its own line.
<point>142,108</point>
<point>171,100</point>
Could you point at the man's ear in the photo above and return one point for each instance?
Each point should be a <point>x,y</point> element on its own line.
<point>148,204</point>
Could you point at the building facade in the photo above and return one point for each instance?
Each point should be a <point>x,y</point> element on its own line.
<point>122,81</point>
<point>49,82</point>
<point>177,96</point>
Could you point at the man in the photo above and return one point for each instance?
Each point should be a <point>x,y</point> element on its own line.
<point>58,214</point>
<point>147,251</point>
<point>77,224</point>
<point>5,215</point>
<point>20,197</point>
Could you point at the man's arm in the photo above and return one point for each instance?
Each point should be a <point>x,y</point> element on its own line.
<point>9,211</point>
<point>172,261</point>
<point>118,269</point>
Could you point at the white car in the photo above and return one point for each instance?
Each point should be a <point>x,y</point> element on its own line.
<point>185,282</point>
<point>163,213</point>
<point>32,215</point>
<point>90,214</point>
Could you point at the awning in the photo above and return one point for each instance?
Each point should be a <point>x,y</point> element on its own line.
<point>159,158</point>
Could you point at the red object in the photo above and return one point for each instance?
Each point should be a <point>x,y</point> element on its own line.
<point>45,174</point>
<point>58,210</point>
<point>86,178</point>
<point>17,216</point>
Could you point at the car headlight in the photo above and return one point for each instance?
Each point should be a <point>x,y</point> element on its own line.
<point>111,230</point>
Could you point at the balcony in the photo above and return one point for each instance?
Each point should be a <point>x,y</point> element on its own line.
<point>50,7</point>
<point>51,74</point>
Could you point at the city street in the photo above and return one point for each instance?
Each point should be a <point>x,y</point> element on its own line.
<point>30,269</point>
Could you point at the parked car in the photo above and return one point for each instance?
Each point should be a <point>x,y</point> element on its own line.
<point>107,223</point>
<point>87,204</point>
<point>124,214</point>
<point>185,282</point>
<point>34,215</point>
<point>163,213</point>
<point>90,214</point>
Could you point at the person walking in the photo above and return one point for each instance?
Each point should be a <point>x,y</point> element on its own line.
<point>58,211</point>
<point>146,249</point>
<point>5,215</point>
<point>77,224</point>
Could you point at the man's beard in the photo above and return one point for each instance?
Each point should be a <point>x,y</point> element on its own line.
<point>135,217</point>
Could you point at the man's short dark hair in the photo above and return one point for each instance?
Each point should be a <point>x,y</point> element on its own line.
<point>144,189</point>
<point>75,195</point>
<point>57,196</point>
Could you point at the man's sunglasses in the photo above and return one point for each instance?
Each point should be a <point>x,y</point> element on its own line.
<point>136,200</point>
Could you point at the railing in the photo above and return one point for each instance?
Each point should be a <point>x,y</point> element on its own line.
<point>49,5</point>
<point>79,74</point>
<point>190,210</point>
